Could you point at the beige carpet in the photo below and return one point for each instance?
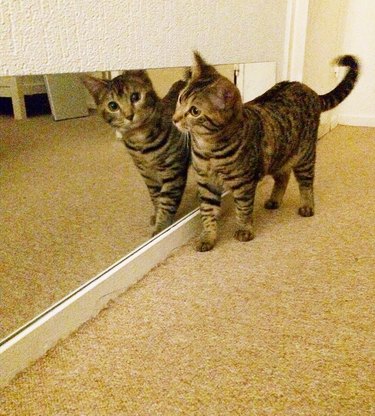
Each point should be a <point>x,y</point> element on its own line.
<point>72,203</point>
<point>282,325</point>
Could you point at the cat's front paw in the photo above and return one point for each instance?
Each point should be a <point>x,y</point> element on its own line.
<point>206,241</point>
<point>306,211</point>
<point>203,246</point>
<point>154,233</point>
<point>162,225</point>
<point>271,204</point>
<point>244,235</point>
<point>158,229</point>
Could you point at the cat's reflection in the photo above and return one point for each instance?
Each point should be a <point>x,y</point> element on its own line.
<point>143,121</point>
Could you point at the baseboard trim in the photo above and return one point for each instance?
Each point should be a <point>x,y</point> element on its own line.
<point>352,120</point>
<point>33,340</point>
<point>324,128</point>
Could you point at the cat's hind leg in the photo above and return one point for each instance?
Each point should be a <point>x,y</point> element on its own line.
<point>304,167</point>
<point>281,182</point>
<point>304,173</point>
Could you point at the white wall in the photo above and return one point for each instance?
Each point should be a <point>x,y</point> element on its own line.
<point>323,44</point>
<point>359,39</point>
<point>335,28</point>
<point>53,36</point>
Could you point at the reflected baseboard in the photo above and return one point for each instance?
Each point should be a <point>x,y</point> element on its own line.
<point>30,342</point>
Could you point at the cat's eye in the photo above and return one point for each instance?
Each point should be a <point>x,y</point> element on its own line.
<point>194,111</point>
<point>113,106</point>
<point>135,96</point>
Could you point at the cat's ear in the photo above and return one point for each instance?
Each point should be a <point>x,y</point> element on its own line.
<point>200,63</point>
<point>202,69</point>
<point>134,72</point>
<point>95,86</point>
<point>139,76</point>
<point>187,74</point>
<point>224,96</point>
<point>137,73</point>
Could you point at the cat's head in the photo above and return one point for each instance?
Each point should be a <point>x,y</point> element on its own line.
<point>208,103</point>
<point>125,102</point>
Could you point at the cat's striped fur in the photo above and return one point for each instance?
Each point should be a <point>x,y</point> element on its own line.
<point>238,143</point>
<point>161,153</point>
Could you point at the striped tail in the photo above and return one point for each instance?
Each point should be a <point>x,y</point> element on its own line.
<point>337,95</point>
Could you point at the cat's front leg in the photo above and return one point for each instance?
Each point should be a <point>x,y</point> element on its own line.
<point>169,199</point>
<point>244,195</point>
<point>210,201</point>
<point>154,188</point>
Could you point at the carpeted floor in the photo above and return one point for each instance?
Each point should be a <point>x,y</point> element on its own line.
<point>72,204</point>
<point>283,325</point>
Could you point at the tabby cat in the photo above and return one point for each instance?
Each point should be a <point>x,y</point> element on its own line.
<point>161,153</point>
<point>238,143</point>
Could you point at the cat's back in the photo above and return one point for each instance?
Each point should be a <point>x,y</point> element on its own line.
<point>290,94</point>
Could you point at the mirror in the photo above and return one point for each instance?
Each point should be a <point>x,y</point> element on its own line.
<point>72,201</point>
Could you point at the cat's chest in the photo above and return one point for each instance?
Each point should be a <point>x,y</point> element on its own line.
<point>208,164</point>
<point>220,157</point>
<point>142,144</point>
<point>146,160</point>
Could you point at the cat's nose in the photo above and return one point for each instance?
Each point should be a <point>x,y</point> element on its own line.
<point>130,117</point>
<point>175,119</point>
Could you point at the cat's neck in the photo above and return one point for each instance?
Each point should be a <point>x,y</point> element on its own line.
<point>232,132</point>
<point>209,144</point>
<point>230,128</point>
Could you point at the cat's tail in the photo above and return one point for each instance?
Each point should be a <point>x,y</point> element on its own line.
<point>337,95</point>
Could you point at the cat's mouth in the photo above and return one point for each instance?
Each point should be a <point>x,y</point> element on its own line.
<point>126,124</point>
<point>180,127</point>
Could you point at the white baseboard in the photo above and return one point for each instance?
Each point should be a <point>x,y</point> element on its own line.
<point>324,128</point>
<point>328,121</point>
<point>34,339</point>
<point>334,121</point>
<point>354,120</point>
